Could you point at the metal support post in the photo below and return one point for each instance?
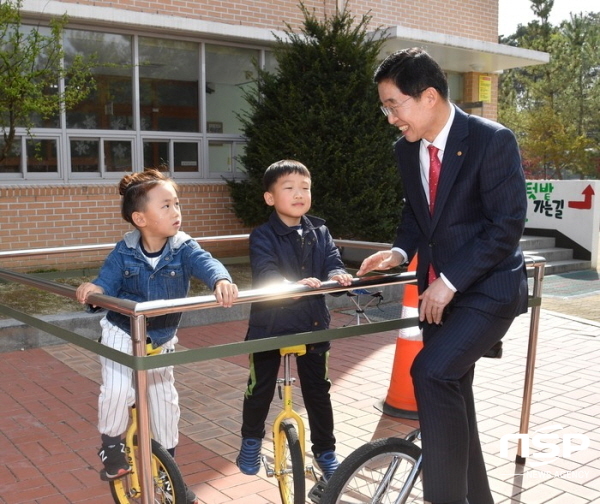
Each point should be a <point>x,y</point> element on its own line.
<point>138,336</point>
<point>538,278</point>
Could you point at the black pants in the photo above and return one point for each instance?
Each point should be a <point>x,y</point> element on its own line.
<point>453,465</point>
<point>313,372</point>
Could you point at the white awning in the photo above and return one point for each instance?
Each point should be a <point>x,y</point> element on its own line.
<point>461,54</point>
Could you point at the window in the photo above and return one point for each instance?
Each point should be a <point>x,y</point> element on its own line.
<point>40,61</point>
<point>185,157</point>
<point>41,156</point>
<point>85,155</point>
<point>100,157</point>
<point>169,77</point>
<point>40,159</point>
<point>109,107</point>
<point>224,158</point>
<point>172,156</point>
<point>12,162</point>
<point>117,156</point>
<point>229,74</point>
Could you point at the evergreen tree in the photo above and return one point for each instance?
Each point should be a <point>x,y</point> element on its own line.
<point>320,107</point>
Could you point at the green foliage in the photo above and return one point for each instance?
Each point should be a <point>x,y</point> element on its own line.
<point>555,108</point>
<point>321,108</point>
<point>31,70</point>
<point>553,150</point>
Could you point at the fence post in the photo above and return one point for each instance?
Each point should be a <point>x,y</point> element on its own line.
<point>538,278</point>
<point>138,336</point>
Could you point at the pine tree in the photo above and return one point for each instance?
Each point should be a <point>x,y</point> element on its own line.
<point>320,107</point>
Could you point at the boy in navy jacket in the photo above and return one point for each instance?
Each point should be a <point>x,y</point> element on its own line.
<point>290,247</point>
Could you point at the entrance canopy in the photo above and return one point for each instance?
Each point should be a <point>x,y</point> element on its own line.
<point>461,54</point>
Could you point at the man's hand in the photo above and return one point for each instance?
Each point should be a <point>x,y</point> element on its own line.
<point>433,301</point>
<point>383,260</point>
<point>226,293</point>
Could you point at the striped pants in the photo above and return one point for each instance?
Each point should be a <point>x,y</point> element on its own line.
<point>117,393</point>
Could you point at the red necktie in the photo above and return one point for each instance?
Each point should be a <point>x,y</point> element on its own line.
<point>434,175</point>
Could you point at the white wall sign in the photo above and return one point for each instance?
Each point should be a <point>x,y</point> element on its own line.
<point>571,207</point>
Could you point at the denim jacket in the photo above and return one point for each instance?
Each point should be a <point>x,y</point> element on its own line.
<point>278,253</point>
<point>126,274</point>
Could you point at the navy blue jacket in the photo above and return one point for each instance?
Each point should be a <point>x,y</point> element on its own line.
<point>278,254</point>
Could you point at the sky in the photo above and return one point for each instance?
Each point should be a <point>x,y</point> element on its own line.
<point>511,13</point>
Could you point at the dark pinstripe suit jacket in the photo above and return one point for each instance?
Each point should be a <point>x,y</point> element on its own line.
<point>473,236</point>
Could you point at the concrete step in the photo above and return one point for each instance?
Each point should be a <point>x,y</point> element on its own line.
<point>557,267</point>
<point>537,242</point>
<point>558,260</point>
<point>551,254</point>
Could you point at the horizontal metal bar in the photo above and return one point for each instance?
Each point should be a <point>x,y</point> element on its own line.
<point>111,303</point>
<point>153,308</point>
<point>9,254</point>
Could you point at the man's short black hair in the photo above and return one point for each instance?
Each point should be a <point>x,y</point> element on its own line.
<point>412,71</point>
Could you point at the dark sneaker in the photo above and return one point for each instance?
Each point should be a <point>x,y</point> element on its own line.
<point>249,458</point>
<point>190,496</point>
<point>327,462</point>
<point>115,462</point>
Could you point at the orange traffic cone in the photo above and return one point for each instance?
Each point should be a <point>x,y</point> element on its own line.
<point>400,400</point>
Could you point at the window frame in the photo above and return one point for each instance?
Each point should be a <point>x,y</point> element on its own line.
<point>24,175</point>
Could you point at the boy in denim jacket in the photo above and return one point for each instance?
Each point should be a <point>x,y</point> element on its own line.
<point>290,247</point>
<point>154,261</point>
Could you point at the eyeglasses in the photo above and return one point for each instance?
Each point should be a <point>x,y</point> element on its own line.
<point>391,110</point>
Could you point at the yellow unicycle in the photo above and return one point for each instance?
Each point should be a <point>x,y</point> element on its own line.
<point>167,481</point>
<point>288,439</point>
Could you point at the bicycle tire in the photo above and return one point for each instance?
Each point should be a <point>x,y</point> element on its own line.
<point>290,474</point>
<point>169,487</point>
<point>367,475</point>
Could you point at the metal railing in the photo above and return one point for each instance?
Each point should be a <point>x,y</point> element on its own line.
<point>138,312</point>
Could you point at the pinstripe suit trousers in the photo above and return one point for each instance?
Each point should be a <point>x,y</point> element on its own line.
<point>453,465</point>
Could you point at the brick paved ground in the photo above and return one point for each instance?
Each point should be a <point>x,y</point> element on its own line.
<point>48,438</point>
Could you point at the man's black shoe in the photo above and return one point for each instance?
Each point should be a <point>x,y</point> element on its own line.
<point>495,352</point>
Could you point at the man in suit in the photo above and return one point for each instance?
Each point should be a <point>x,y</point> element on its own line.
<point>471,271</point>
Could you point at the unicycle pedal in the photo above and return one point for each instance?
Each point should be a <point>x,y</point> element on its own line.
<point>316,492</point>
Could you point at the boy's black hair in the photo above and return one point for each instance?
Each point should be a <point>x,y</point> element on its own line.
<point>284,167</point>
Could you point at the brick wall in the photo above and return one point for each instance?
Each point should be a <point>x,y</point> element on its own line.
<point>34,217</point>
<point>477,19</point>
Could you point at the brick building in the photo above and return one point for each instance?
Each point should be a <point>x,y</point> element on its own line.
<point>185,65</point>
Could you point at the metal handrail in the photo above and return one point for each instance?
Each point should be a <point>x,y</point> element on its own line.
<point>11,254</point>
